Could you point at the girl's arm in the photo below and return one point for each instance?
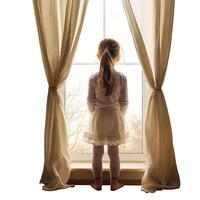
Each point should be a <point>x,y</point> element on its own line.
<point>91,96</point>
<point>123,99</point>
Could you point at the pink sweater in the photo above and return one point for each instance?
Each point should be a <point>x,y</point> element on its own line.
<point>119,96</point>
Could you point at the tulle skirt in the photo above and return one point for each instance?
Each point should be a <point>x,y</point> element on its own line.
<point>107,125</point>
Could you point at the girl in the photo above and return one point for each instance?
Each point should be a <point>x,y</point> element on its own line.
<point>107,102</point>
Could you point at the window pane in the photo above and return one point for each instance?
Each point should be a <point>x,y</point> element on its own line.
<point>91,33</point>
<point>117,27</point>
<point>78,114</point>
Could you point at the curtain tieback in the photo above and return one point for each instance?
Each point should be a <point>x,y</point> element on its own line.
<point>157,89</point>
<point>53,87</point>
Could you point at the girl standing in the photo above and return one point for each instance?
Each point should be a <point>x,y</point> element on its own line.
<point>107,102</point>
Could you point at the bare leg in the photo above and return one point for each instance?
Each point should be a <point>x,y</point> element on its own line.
<point>113,153</point>
<point>98,152</point>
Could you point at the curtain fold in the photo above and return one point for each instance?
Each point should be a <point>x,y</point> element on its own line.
<point>59,24</point>
<point>151,25</point>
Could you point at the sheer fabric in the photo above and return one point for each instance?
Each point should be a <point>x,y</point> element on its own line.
<point>151,26</point>
<point>107,125</point>
<point>59,25</point>
<point>97,165</point>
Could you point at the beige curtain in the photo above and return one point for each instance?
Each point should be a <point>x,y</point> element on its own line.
<point>59,23</point>
<point>151,26</point>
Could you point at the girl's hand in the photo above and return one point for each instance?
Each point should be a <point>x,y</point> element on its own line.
<point>91,108</point>
<point>123,109</point>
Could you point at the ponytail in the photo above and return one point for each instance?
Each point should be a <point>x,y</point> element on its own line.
<point>106,78</point>
<point>108,50</point>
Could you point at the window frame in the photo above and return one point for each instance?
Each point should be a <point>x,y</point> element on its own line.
<point>124,157</point>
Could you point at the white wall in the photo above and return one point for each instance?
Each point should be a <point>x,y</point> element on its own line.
<point>182,86</point>
<point>23,99</point>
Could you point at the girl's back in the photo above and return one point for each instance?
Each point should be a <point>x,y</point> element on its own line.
<point>119,95</point>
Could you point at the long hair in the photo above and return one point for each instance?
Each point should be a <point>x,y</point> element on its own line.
<point>108,50</point>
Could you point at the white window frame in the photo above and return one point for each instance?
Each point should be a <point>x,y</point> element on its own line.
<point>124,157</point>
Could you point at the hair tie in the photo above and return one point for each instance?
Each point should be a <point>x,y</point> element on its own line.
<point>109,54</point>
<point>106,50</point>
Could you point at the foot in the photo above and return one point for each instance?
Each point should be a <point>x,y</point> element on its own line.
<point>115,185</point>
<point>97,184</point>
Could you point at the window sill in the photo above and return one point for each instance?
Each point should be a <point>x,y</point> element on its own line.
<point>130,173</point>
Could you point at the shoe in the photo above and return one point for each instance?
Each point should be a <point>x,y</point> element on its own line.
<point>97,184</point>
<point>115,185</point>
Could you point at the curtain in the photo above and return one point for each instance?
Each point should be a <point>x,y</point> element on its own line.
<point>151,26</point>
<point>59,23</point>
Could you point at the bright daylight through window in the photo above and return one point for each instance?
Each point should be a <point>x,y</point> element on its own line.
<point>103,19</point>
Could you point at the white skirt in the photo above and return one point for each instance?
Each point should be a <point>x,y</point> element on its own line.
<point>106,125</point>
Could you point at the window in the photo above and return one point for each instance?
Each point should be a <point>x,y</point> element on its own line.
<point>104,19</point>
